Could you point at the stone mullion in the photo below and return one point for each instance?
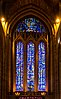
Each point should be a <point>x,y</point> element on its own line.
<point>5,69</point>
<point>7,64</point>
<point>54,66</point>
<point>51,76</point>
<point>0,79</point>
<point>59,51</point>
<point>60,69</point>
<point>3,73</point>
<point>1,60</point>
<point>9,74</point>
<point>57,72</point>
<point>0,71</point>
<point>56,69</point>
<point>51,68</point>
<point>59,62</point>
<point>2,68</point>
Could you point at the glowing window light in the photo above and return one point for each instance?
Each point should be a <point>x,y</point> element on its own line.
<point>41,67</point>
<point>30,25</point>
<point>19,66</point>
<point>30,66</point>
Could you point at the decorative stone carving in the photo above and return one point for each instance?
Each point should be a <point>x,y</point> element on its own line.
<point>20,4</point>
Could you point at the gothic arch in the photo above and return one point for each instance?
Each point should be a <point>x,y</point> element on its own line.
<point>24,12</point>
<point>2,61</point>
<point>30,11</point>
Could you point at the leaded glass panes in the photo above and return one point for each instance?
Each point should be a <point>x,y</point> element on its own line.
<point>41,67</point>
<point>30,29</point>
<point>19,66</point>
<point>30,25</point>
<point>30,66</point>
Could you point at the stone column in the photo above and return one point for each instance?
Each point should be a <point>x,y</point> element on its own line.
<point>59,52</point>
<point>59,62</point>
<point>60,69</point>
<point>1,59</point>
<point>55,67</point>
<point>5,68</point>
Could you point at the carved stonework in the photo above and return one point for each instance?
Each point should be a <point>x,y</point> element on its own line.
<point>20,4</point>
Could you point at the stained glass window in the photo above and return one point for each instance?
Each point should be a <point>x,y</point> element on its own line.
<point>29,30</point>
<point>30,66</point>
<point>30,25</point>
<point>19,66</point>
<point>41,67</point>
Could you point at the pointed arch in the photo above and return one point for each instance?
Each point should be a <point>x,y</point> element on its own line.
<point>30,66</point>
<point>19,66</point>
<point>35,37</point>
<point>41,67</point>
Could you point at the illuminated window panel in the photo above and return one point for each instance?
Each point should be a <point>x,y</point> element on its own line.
<point>41,67</point>
<point>30,25</point>
<point>30,66</point>
<point>19,66</point>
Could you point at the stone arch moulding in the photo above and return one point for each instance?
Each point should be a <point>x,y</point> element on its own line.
<point>36,12</point>
<point>30,11</point>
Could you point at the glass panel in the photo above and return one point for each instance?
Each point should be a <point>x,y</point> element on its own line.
<point>41,67</point>
<point>30,66</point>
<point>30,24</point>
<point>19,66</point>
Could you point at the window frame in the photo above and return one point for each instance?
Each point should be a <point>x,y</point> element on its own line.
<point>30,38</point>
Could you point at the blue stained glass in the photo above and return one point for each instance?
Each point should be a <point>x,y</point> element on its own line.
<point>30,66</point>
<point>41,67</point>
<point>30,25</point>
<point>19,66</point>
